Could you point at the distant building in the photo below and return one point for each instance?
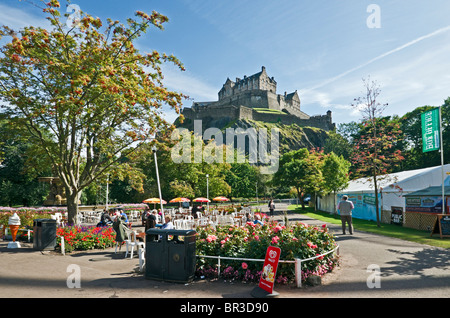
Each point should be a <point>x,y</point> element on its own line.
<point>247,98</point>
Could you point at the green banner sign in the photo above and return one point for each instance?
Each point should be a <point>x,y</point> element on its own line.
<point>430,130</point>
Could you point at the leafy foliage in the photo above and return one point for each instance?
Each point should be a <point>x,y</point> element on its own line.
<point>90,88</point>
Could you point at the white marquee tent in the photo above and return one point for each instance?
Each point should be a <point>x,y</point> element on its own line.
<point>394,186</point>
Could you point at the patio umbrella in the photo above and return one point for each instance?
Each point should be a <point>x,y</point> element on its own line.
<point>201,200</point>
<point>153,200</point>
<point>221,199</point>
<point>180,200</point>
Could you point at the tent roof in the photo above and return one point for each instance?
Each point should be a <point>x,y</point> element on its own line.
<point>430,191</point>
<point>412,180</point>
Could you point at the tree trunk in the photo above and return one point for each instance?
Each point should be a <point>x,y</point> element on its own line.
<point>300,197</point>
<point>72,208</point>
<point>376,199</point>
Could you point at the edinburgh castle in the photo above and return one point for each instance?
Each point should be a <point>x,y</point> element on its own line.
<point>255,98</point>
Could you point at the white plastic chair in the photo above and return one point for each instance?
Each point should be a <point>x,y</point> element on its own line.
<point>178,224</point>
<point>80,218</point>
<point>132,242</point>
<point>134,216</point>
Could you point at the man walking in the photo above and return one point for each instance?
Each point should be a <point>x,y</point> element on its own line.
<point>345,208</point>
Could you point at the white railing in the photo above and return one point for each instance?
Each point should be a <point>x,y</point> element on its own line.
<point>298,262</point>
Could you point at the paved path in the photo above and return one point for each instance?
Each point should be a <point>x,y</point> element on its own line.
<point>405,270</point>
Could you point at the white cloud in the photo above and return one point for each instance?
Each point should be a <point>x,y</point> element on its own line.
<point>189,84</point>
<point>379,57</point>
<point>19,18</point>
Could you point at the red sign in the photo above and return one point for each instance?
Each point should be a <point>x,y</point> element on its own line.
<point>268,275</point>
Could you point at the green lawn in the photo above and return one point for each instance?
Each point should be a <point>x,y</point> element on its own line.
<point>389,230</point>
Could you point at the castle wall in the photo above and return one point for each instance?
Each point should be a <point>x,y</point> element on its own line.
<point>229,113</point>
<point>252,99</point>
<point>214,112</point>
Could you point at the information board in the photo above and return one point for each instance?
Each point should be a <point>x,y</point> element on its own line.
<point>442,225</point>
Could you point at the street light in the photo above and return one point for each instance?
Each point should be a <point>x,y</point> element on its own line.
<point>159,186</point>
<point>207,191</point>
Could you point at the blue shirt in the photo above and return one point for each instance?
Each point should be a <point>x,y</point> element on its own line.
<point>168,226</point>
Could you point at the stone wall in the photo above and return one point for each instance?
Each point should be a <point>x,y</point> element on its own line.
<point>230,113</point>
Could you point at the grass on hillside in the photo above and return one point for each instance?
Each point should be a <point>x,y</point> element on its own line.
<point>389,230</point>
<point>269,111</point>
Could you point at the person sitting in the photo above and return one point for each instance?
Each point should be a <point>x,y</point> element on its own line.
<point>105,219</point>
<point>248,217</point>
<point>150,221</point>
<point>194,211</point>
<point>258,220</point>
<point>168,225</point>
<point>123,215</point>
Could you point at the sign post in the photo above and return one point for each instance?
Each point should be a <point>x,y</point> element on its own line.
<point>267,280</point>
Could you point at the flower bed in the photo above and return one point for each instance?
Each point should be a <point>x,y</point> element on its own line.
<point>85,237</point>
<point>251,241</point>
<point>26,215</point>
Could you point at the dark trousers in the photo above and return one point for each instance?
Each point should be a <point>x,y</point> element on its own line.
<point>347,219</point>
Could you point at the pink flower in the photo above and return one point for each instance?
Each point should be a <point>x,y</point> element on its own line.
<point>277,228</point>
<point>211,238</point>
<point>257,237</point>
<point>244,265</point>
<point>275,240</point>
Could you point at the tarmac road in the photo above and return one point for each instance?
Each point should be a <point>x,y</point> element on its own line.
<point>397,269</point>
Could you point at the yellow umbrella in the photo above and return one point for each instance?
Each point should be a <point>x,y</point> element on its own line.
<point>153,200</point>
<point>180,200</point>
<point>221,199</point>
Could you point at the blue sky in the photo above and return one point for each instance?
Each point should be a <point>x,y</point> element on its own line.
<point>321,48</point>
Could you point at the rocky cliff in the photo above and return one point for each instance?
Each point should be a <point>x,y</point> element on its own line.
<point>291,137</point>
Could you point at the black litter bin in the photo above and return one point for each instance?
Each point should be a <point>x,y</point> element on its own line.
<point>170,255</point>
<point>44,234</point>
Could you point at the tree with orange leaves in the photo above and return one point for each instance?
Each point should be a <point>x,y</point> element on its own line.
<point>375,152</point>
<point>99,98</point>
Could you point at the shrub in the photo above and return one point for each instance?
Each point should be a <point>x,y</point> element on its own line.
<point>251,241</point>
<point>85,237</point>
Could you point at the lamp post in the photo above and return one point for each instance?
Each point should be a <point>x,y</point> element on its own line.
<point>207,191</point>
<point>159,186</point>
<point>257,201</point>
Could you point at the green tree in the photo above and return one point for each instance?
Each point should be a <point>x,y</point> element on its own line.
<point>243,179</point>
<point>20,167</point>
<point>335,172</point>
<point>99,98</point>
<point>411,126</point>
<point>302,170</point>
